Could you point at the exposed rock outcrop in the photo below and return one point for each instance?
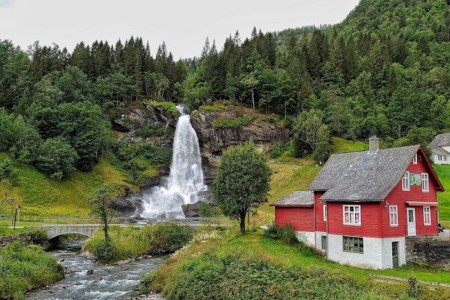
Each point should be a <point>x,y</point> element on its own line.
<point>263,131</point>
<point>200,209</point>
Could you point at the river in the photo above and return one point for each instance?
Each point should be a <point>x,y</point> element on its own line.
<point>106,281</point>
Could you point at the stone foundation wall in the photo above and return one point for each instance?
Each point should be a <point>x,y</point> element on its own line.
<point>433,252</point>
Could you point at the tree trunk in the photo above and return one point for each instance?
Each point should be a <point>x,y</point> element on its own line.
<point>242,217</point>
<point>253,98</point>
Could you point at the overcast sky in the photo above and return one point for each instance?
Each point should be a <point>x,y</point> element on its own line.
<point>182,24</point>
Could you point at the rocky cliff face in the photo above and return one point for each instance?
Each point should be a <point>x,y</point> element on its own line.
<point>214,138</point>
<point>217,129</point>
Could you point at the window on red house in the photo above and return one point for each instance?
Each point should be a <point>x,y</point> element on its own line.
<point>352,214</point>
<point>426,215</point>
<point>393,215</point>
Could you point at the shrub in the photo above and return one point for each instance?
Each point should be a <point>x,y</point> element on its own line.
<point>145,282</point>
<point>25,267</point>
<point>169,107</point>
<point>285,233</point>
<point>276,150</point>
<point>169,237</point>
<point>38,236</point>
<point>152,130</point>
<point>131,241</point>
<point>233,122</point>
<point>211,276</point>
<point>104,251</point>
<point>56,158</point>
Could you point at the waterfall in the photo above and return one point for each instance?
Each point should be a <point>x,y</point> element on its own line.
<point>186,175</point>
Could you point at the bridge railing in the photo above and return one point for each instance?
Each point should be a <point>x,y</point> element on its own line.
<point>118,220</point>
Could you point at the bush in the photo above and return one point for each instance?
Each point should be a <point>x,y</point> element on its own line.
<point>104,251</point>
<point>169,107</point>
<point>131,241</point>
<point>169,237</point>
<point>145,282</point>
<point>239,277</point>
<point>56,158</point>
<point>285,233</point>
<point>26,267</point>
<point>38,236</point>
<point>152,130</point>
<point>233,122</point>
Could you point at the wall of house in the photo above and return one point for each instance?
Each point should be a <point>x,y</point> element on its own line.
<point>320,223</point>
<point>370,220</point>
<point>302,219</point>
<point>377,252</point>
<point>399,197</point>
<point>436,160</point>
<point>306,237</point>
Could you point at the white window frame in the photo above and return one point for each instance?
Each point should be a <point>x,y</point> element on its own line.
<point>393,216</point>
<point>325,212</point>
<point>406,182</point>
<point>415,159</point>
<point>354,215</point>
<point>425,182</point>
<point>426,215</point>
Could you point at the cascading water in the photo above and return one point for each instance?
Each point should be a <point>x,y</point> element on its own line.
<point>185,180</point>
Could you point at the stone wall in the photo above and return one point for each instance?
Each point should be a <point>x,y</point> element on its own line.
<point>433,252</point>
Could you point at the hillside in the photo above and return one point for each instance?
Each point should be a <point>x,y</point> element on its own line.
<point>42,196</point>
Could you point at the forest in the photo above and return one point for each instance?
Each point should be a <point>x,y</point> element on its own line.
<point>385,71</point>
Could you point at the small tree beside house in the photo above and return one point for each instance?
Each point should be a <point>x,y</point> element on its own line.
<point>242,183</point>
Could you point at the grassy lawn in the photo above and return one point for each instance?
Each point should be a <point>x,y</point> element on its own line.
<point>42,196</point>
<point>258,249</point>
<point>444,198</point>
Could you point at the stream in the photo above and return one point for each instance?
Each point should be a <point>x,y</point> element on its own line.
<point>106,281</point>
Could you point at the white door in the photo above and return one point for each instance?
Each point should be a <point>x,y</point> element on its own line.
<point>411,217</point>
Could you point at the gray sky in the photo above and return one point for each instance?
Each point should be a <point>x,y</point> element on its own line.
<point>183,25</point>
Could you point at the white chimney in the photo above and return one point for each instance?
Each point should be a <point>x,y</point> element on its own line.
<point>373,144</point>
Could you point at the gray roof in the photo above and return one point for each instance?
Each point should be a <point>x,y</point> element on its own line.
<point>363,176</point>
<point>441,140</point>
<point>297,198</point>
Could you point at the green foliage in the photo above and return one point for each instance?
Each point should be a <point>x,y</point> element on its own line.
<point>285,233</point>
<point>215,107</point>
<point>276,150</point>
<point>145,282</point>
<point>38,236</point>
<point>150,130</point>
<point>23,268</point>
<point>306,128</point>
<point>169,237</point>
<point>169,107</point>
<point>104,251</point>
<point>100,202</point>
<point>242,183</point>
<point>56,158</point>
<point>132,242</point>
<point>211,276</point>
<point>136,158</point>
<point>233,122</point>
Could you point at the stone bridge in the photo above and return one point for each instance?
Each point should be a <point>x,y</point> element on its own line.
<point>89,229</point>
<point>57,230</point>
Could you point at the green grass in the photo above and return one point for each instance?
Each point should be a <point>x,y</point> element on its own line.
<point>23,268</point>
<point>40,195</point>
<point>233,122</point>
<point>167,106</point>
<point>342,145</point>
<point>260,250</point>
<point>131,242</point>
<point>443,173</point>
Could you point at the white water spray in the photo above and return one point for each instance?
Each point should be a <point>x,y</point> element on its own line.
<point>185,180</point>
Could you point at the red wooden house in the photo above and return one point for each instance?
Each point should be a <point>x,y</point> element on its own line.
<point>362,205</point>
